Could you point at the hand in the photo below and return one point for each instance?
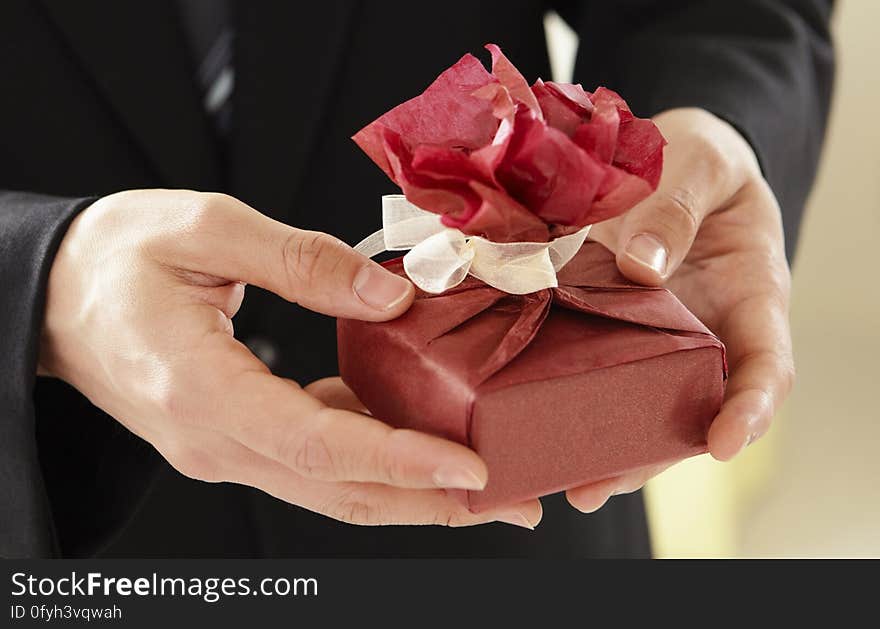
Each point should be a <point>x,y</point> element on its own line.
<point>139,319</point>
<point>712,234</point>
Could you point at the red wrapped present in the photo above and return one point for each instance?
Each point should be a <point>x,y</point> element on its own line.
<point>553,389</point>
<point>524,342</point>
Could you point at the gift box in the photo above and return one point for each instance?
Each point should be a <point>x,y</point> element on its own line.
<point>524,342</point>
<point>553,389</point>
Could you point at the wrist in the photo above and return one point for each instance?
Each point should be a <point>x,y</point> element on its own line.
<point>60,307</point>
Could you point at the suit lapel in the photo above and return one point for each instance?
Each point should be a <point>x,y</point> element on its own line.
<point>287,57</point>
<point>137,55</point>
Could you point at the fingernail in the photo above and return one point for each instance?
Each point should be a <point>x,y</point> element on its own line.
<point>380,289</point>
<point>648,251</point>
<point>750,438</point>
<point>596,507</point>
<point>517,519</point>
<point>457,478</point>
<point>754,436</point>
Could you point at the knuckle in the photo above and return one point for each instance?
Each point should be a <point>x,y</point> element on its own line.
<point>209,203</point>
<point>390,467</point>
<point>313,457</point>
<point>711,153</point>
<point>189,216</point>
<point>203,210</point>
<point>309,452</point>
<point>716,153</point>
<point>354,506</point>
<point>306,254</point>
<point>679,210</point>
<point>452,519</point>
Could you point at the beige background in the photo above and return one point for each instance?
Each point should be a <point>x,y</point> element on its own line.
<point>812,487</point>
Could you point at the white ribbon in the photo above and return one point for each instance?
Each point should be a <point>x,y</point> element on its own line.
<point>441,257</point>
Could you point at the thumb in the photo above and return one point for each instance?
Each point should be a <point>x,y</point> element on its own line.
<point>313,269</point>
<point>706,162</point>
<point>324,274</point>
<point>656,235</point>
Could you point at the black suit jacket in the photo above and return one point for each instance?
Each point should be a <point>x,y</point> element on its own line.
<point>99,97</point>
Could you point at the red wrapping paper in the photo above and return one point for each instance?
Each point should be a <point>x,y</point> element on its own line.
<point>554,389</point>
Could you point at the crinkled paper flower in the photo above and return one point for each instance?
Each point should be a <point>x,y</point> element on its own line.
<point>509,162</point>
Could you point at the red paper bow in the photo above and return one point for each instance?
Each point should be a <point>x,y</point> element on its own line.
<point>509,162</point>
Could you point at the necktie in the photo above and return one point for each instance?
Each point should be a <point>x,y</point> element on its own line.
<point>208,27</point>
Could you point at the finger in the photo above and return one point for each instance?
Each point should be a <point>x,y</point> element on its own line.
<point>375,504</point>
<point>276,418</point>
<point>757,387</point>
<point>311,268</point>
<point>334,393</point>
<point>214,458</point>
<point>701,172</point>
<point>590,498</point>
<point>761,374</point>
<point>656,234</point>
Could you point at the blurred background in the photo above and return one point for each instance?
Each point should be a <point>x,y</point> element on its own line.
<point>811,487</point>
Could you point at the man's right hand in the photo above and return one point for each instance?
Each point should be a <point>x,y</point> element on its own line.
<point>139,319</point>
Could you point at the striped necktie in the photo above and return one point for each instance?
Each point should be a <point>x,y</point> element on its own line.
<point>208,27</point>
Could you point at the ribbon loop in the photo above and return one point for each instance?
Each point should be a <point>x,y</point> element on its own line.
<point>440,257</point>
<point>439,262</point>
